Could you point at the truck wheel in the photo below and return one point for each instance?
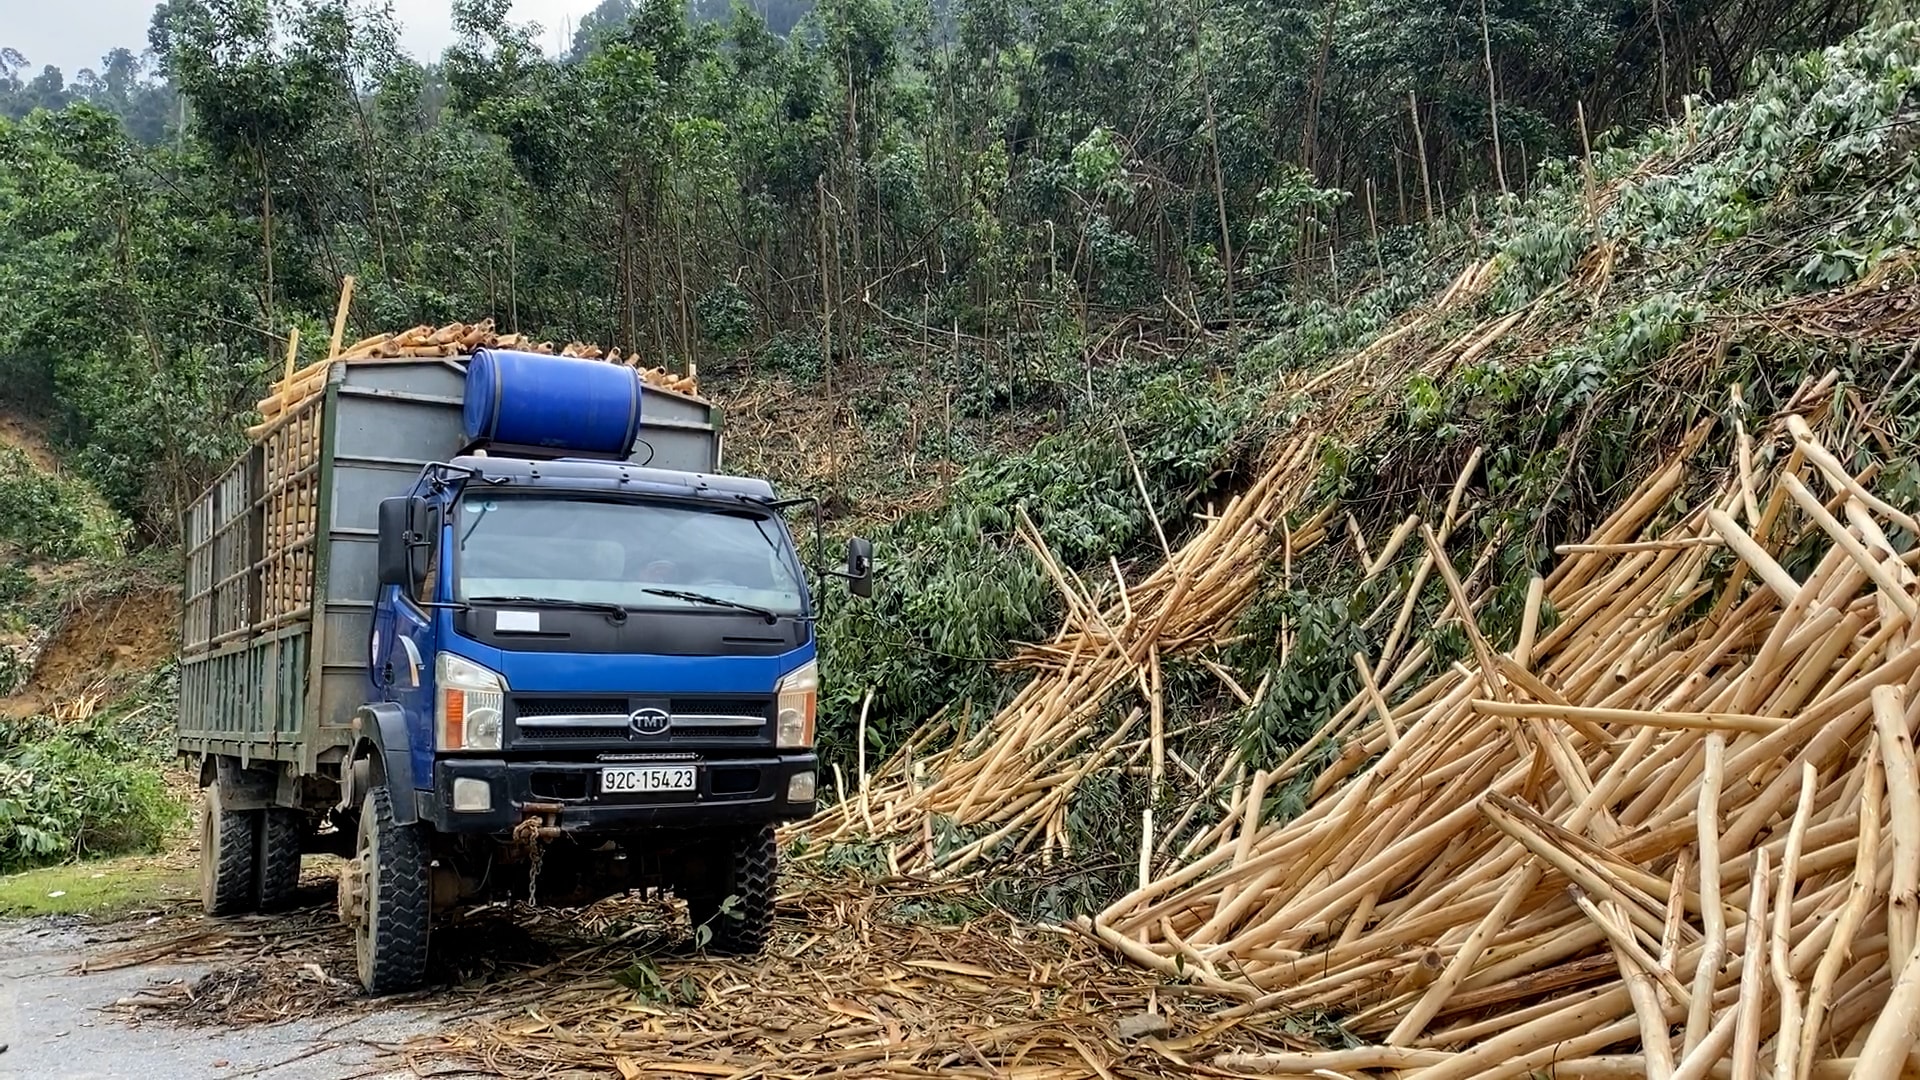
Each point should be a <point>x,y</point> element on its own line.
<point>282,831</point>
<point>226,855</point>
<point>737,908</point>
<point>384,897</point>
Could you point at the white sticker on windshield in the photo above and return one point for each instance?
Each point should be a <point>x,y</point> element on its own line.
<point>516,622</point>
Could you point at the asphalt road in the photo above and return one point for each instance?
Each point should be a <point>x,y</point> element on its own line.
<point>53,1024</point>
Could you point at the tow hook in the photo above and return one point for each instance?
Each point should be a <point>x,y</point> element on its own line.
<point>542,820</point>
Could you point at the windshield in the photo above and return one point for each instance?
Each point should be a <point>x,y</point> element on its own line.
<point>615,552</point>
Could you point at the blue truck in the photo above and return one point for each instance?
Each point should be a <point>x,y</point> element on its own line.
<point>497,626</point>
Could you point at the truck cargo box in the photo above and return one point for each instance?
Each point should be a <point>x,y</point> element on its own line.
<point>281,551</point>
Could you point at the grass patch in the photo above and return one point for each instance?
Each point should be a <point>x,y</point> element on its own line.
<point>100,887</point>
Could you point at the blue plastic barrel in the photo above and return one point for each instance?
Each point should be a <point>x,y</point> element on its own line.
<point>555,402</point>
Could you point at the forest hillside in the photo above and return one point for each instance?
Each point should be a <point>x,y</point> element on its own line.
<point>956,232</point>
<point>1333,466</point>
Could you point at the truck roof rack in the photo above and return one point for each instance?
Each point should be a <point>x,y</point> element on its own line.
<point>615,475</point>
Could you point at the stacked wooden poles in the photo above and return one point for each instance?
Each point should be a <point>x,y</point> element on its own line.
<point>1682,825</point>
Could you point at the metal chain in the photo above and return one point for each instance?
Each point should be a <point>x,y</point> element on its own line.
<point>528,833</point>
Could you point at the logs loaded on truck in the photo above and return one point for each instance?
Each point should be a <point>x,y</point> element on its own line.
<point>495,624</point>
<point>453,339</point>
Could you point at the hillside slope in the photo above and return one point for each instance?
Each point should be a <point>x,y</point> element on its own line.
<point>1491,579</point>
<point>86,648</point>
<point>77,619</point>
<point>1363,746</point>
<point>1709,272</point>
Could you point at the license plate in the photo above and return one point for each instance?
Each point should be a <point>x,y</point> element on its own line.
<point>630,779</point>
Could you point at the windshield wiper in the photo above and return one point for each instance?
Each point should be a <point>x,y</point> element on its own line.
<point>717,601</point>
<point>615,613</point>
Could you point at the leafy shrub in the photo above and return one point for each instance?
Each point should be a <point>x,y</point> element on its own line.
<point>957,587</point>
<point>73,791</point>
<point>14,669</point>
<point>15,584</point>
<point>50,516</point>
<point>726,315</point>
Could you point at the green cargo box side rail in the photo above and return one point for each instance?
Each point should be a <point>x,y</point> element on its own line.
<point>281,553</point>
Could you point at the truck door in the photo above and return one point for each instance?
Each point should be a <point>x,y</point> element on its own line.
<point>380,671</point>
<point>404,636</point>
<point>412,686</point>
<point>410,656</point>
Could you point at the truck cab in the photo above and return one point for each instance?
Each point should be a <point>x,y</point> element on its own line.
<point>582,675</point>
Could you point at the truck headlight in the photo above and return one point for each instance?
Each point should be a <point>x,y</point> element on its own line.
<point>797,693</point>
<point>467,705</point>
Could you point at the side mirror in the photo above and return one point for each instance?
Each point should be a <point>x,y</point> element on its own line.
<point>406,523</point>
<point>860,567</point>
<point>396,558</point>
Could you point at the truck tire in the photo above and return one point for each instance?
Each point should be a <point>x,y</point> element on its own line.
<point>277,863</point>
<point>227,849</point>
<point>737,906</point>
<point>385,898</point>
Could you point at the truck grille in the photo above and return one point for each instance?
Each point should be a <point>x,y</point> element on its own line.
<point>530,707</point>
<point>693,707</point>
<point>699,732</point>
<point>574,732</point>
<point>605,719</point>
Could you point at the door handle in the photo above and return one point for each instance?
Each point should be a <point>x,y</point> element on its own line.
<point>386,673</point>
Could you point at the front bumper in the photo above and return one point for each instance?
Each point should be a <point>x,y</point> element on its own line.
<point>728,792</point>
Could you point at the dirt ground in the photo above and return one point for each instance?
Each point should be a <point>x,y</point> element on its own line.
<point>98,647</point>
<point>17,432</point>
<point>132,632</point>
<point>58,1022</point>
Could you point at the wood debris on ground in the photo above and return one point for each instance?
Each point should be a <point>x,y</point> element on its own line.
<point>895,979</point>
<point>1674,834</point>
<point>859,983</point>
<point>455,339</point>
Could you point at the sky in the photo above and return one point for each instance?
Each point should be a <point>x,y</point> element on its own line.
<point>75,34</point>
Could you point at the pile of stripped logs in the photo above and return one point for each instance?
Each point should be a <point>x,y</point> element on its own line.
<point>1673,832</point>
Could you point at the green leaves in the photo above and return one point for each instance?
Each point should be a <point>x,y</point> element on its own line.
<point>77,790</point>
<point>53,517</point>
<point>1646,332</point>
<point>1833,266</point>
<point>644,978</point>
<point>957,590</point>
<point>1097,166</point>
<point>1289,200</point>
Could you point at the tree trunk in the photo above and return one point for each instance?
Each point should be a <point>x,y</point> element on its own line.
<point>826,291</point>
<point>1493,100</point>
<point>1310,133</point>
<point>1213,148</point>
<point>266,246</point>
<point>1420,142</point>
